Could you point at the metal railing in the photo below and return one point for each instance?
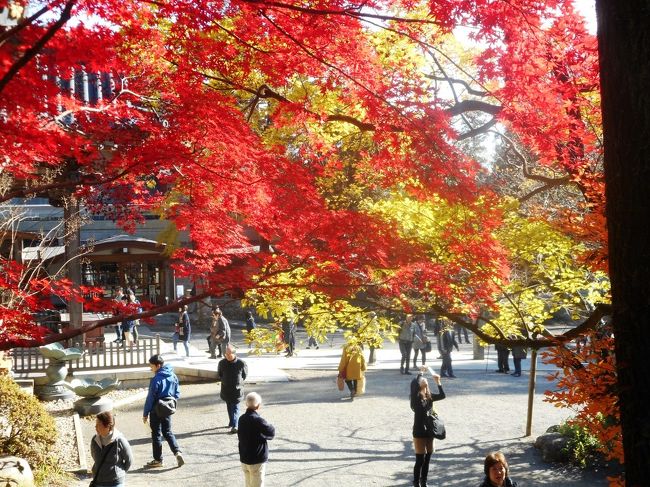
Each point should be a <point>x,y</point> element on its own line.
<point>97,356</point>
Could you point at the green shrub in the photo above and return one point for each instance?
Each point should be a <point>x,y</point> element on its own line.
<point>582,444</point>
<point>27,431</point>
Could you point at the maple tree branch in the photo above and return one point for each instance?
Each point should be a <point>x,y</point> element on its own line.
<point>38,46</point>
<point>548,182</point>
<point>512,303</point>
<point>349,12</point>
<point>264,91</point>
<point>240,40</point>
<point>429,47</point>
<point>337,69</point>
<point>154,2</point>
<point>464,83</point>
<point>57,119</point>
<point>17,28</point>
<point>473,106</point>
<point>363,126</point>
<point>73,332</point>
<point>83,181</point>
<point>551,184</point>
<point>483,129</point>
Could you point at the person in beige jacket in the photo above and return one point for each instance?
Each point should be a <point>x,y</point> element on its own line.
<point>352,367</point>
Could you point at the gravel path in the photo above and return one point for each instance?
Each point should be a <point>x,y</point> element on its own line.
<point>324,439</point>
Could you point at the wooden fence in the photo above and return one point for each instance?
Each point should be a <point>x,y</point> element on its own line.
<point>97,356</point>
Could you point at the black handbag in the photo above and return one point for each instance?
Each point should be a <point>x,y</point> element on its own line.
<point>166,406</point>
<point>435,426</point>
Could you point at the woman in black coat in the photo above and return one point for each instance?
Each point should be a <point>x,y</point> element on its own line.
<point>422,405</point>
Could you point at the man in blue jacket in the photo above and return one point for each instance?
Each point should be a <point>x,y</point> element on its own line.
<point>164,384</point>
<point>254,432</point>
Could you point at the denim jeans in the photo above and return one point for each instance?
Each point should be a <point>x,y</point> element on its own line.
<point>161,427</point>
<point>405,350</point>
<point>233,414</point>
<point>517,362</point>
<point>186,343</point>
<point>446,369</point>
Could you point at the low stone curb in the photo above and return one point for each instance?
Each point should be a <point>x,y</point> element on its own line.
<point>81,451</point>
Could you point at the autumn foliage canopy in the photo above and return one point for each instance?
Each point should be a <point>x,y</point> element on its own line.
<point>394,155</point>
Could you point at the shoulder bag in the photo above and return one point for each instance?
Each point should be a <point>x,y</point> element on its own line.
<point>93,482</point>
<point>435,426</point>
<point>166,406</point>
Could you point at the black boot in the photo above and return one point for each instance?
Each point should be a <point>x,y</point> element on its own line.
<point>419,460</point>
<point>424,473</point>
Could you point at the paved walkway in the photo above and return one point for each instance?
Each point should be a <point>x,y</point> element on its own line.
<point>324,439</point>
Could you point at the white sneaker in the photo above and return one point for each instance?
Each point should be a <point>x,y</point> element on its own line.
<point>179,459</point>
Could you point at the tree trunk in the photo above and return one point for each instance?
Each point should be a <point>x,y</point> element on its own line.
<point>72,238</point>
<point>624,48</point>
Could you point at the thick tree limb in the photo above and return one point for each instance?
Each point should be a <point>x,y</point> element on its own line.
<point>73,332</point>
<point>464,83</point>
<point>38,46</point>
<point>17,28</point>
<point>473,106</point>
<point>483,129</point>
<point>552,184</point>
<point>349,12</point>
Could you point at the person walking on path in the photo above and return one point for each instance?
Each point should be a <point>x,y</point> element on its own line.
<point>447,344</point>
<point>184,330</point>
<point>422,400</point>
<point>253,434</point>
<point>128,325</point>
<point>436,329</point>
<point>352,367</point>
<point>135,308</point>
<point>420,341</point>
<point>311,342</point>
<point>250,325</point>
<point>406,334</point>
<point>503,353</point>
<point>518,354</point>
<point>119,294</point>
<point>495,468</point>
<point>289,332</point>
<point>458,330</point>
<point>164,384</point>
<point>232,372</point>
<point>219,333</point>
<point>111,453</point>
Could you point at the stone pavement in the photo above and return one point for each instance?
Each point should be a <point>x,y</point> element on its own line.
<point>324,439</point>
